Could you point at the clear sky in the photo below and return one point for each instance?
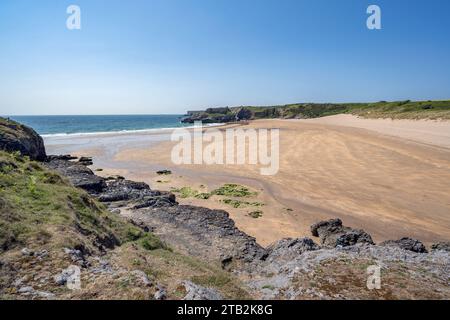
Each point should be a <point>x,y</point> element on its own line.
<point>169,56</point>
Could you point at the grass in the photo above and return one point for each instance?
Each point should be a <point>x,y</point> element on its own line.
<point>37,204</point>
<point>40,209</point>
<point>234,190</point>
<point>188,192</point>
<point>241,204</point>
<point>383,109</point>
<point>256,214</point>
<point>229,190</point>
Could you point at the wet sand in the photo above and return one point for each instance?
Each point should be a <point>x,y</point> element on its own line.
<point>391,178</point>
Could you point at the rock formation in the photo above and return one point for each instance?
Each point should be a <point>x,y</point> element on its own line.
<point>15,137</point>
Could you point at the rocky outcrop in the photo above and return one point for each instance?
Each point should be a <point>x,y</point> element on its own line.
<point>244,114</point>
<point>289,249</point>
<point>406,244</point>
<point>219,110</point>
<point>114,191</point>
<point>137,194</point>
<point>211,115</point>
<point>15,137</point>
<point>333,234</point>
<point>201,232</point>
<point>78,174</point>
<point>443,246</point>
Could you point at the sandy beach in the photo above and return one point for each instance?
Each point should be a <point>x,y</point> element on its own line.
<point>388,177</point>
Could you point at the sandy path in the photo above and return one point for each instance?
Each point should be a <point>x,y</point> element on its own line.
<point>392,180</point>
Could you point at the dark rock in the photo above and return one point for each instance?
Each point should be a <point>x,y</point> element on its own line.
<point>332,234</point>
<point>79,175</point>
<point>353,237</point>
<point>17,137</point>
<point>164,172</point>
<point>406,244</point>
<point>444,246</point>
<point>244,114</point>
<point>202,232</point>
<point>137,193</point>
<point>289,249</point>
<point>298,245</point>
<point>218,110</point>
<point>67,157</point>
<point>326,226</point>
<point>210,118</point>
<point>86,161</point>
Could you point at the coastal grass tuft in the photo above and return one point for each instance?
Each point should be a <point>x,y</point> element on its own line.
<point>234,190</point>
<point>256,214</point>
<point>241,204</point>
<point>228,190</point>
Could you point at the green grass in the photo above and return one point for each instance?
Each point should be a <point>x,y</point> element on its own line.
<point>383,109</point>
<point>234,190</point>
<point>188,192</point>
<point>37,204</point>
<point>256,214</point>
<point>229,190</point>
<point>241,204</point>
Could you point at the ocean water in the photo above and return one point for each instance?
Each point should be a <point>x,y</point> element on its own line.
<point>66,125</point>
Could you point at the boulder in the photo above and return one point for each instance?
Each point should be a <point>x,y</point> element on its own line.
<point>15,137</point>
<point>244,114</point>
<point>406,244</point>
<point>333,234</point>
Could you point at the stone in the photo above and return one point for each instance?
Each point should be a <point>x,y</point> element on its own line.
<point>289,249</point>
<point>79,175</point>
<point>332,233</point>
<point>161,293</point>
<point>27,252</point>
<point>406,244</point>
<point>17,137</point>
<point>196,292</point>
<point>244,114</point>
<point>164,172</point>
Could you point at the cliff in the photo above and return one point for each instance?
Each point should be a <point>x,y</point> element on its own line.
<point>396,110</point>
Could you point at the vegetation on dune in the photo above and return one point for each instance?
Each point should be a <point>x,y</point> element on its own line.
<point>396,110</point>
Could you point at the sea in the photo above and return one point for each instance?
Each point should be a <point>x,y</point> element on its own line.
<point>48,126</point>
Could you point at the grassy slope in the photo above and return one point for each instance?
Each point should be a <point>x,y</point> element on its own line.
<point>40,210</point>
<point>396,110</point>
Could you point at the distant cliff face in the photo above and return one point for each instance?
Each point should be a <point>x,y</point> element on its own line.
<point>219,115</point>
<point>17,137</point>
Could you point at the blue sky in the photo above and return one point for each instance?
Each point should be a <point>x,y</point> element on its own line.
<point>169,56</point>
